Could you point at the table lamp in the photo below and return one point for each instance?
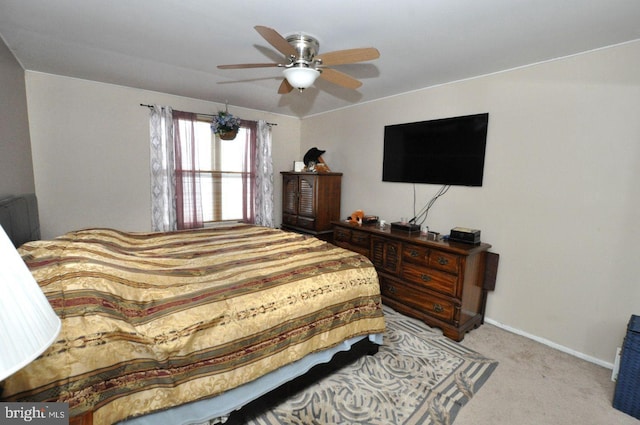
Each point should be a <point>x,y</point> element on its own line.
<point>28,324</point>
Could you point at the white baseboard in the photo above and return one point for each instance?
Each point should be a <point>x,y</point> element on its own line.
<point>550,344</point>
<point>616,365</point>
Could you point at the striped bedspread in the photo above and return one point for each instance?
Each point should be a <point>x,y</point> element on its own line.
<point>155,320</point>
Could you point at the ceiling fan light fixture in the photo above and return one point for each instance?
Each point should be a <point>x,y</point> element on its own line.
<point>302,64</point>
<point>301,77</point>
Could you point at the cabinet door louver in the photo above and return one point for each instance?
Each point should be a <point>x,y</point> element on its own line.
<point>306,204</point>
<point>290,196</point>
<point>385,254</point>
<point>392,256</point>
<point>377,252</point>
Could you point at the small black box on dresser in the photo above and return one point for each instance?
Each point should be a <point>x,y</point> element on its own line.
<point>465,235</point>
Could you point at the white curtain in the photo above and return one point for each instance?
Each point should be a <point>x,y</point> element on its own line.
<point>263,181</point>
<point>163,179</point>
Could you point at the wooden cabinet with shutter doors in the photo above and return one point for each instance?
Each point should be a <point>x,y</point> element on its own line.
<point>441,283</point>
<point>310,202</point>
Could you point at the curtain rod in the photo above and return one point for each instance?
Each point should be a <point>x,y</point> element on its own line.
<point>204,115</point>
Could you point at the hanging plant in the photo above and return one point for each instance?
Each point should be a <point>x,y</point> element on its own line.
<point>225,124</point>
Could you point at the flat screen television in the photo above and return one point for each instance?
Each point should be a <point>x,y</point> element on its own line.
<point>447,151</point>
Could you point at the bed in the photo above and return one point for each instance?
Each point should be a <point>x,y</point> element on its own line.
<point>189,326</point>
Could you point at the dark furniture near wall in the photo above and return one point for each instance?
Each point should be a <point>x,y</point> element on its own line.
<point>310,202</point>
<point>86,419</point>
<point>19,218</point>
<point>444,284</point>
<point>627,394</point>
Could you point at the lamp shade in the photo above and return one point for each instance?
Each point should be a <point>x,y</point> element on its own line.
<point>28,324</point>
<point>301,77</point>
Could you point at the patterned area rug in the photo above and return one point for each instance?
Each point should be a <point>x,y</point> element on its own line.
<point>417,377</point>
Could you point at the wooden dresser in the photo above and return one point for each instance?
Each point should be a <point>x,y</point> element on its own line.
<point>86,419</point>
<point>310,202</point>
<point>441,283</point>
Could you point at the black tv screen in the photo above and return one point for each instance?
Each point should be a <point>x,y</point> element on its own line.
<point>446,151</point>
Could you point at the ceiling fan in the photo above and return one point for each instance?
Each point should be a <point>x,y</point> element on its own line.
<point>303,65</point>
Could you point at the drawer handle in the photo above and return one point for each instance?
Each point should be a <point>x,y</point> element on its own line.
<point>438,308</point>
<point>442,261</point>
<point>414,253</point>
<point>425,277</point>
<point>391,289</point>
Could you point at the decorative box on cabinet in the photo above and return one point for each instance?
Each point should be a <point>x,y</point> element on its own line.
<point>441,283</point>
<point>310,202</point>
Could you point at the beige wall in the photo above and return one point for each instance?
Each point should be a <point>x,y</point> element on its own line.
<point>560,195</point>
<point>16,170</point>
<point>90,145</point>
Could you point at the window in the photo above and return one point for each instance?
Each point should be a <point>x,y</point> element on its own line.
<point>214,177</point>
<point>235,188</point>
<point>222,169</point>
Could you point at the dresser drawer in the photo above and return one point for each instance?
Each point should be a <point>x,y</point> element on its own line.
<point>341,235</point>
<point>406,294</point>
<point>296,220</point>
<point>289,219</point>
<point>354,237</point>
<point>415,253</point>
<point>429,257</point>
<point>433,279</point>
<point>353,240</point>
<point>361,239</point>
<point>306,223</point>
<point>444,261</point>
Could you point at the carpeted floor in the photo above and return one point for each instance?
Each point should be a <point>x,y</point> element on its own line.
<point>417,377</point>
<point>536,384</point>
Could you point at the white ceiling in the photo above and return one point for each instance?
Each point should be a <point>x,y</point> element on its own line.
<point>174,46</point>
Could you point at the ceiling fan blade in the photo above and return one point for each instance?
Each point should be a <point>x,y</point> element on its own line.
<point>340,57</point>
<point>340,78</point>
<point>276,40</point>
<point>285,87</point>
<point>248,65</point>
